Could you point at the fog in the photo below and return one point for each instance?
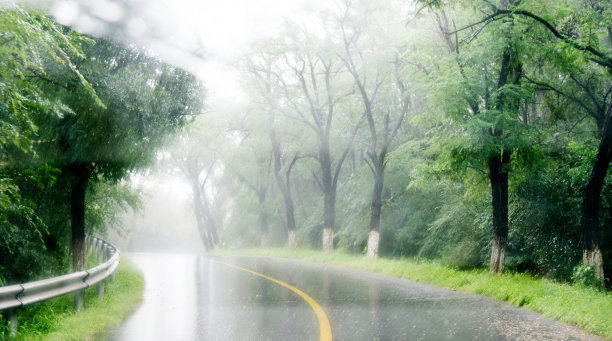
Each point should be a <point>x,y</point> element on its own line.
<point>205,38</point>
<point>198,36</point>
<point>165,222</point>
<point>466,132</point>
<point>278,141</point>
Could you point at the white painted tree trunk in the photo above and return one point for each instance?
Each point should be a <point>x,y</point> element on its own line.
<point>498,255</point>
<point>265,240</point>
<point>373,242</point>
<point>594,257</point>
<point>328,239</point>
<point>292,239</point>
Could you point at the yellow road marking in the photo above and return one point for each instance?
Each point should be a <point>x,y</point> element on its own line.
<point>325,333</point>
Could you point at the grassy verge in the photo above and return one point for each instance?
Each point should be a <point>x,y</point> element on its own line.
<point>587,308</point>
<point>56,319</point>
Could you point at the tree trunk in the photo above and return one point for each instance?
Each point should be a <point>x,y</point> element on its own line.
<point>265,240</point>
<point>329,217</point>
<point>290,215</point>
<point>498,174</point>
<point>510,73</point>
<point>292,239</point>
<point>263,219</point>
<point>80,176</point>
<point>328,239</point>
<point>591,254</point>
<point>285,188</point>
<point>211,226</point>
<point>329,198</point>
<point>374,235</point>
<point>373,242</point>
<point>199,213</point>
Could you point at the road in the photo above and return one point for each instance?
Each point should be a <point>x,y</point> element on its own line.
<point>198,297</point>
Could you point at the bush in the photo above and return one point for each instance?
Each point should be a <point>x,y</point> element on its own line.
<point>584,275</point>
<point>465,255</point>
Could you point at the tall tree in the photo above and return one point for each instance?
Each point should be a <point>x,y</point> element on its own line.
<point>197,160</point>
<point>26,36</point>
<point>113,126</point>
<point>251,162</point>
<point>490,114</point>
<point>266,93</point>
<point>376,67</point>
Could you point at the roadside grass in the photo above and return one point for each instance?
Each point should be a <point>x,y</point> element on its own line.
<point>585,307</point>
<point>56,319</point>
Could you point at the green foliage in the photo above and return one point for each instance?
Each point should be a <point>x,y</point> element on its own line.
<point>437,194</point>
<point>65,100</point>
<point>584,275</point>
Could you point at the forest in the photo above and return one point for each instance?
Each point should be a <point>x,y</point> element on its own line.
<point>477,133</point>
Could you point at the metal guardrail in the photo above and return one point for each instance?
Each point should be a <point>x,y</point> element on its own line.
<point>16,296</point>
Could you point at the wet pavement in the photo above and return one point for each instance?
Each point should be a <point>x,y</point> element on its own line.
<point>196,297</point>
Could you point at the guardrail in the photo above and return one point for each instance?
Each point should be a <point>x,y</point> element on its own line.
<point>14,297</point>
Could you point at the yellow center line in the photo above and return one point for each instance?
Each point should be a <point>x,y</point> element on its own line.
<point>325,333</point>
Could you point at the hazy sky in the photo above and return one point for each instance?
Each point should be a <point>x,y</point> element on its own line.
<point>227,27</point>
<point>183,31</point>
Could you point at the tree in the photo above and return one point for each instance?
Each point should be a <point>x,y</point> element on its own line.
<point>266,93</point>
<point>582,43</point>
<point>588,91</point>
<point>376,67</point>
<point>113,126</point>
<point>197,161</point>
<point>315,93</point>
<point>29,41</point>
<point>489,112</point>
<point>251,162</point>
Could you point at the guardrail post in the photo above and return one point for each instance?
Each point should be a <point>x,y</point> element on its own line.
<point>112,276</point>
<point>105,252</point>
<point>13,321</point>
<point>79,297</point>
<point>101,288</point>
<point>99,250</point>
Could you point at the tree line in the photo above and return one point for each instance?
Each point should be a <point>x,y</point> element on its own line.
<point>477,132</point>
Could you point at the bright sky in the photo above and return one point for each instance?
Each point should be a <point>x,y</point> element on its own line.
<point>218,29</point>
<point>226,28</point>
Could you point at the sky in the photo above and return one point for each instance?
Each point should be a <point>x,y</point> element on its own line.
<point>200,36</point>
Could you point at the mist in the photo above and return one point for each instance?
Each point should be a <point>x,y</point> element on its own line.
<point>334,124</point>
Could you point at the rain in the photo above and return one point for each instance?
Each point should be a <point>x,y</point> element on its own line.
<point>307,170</point>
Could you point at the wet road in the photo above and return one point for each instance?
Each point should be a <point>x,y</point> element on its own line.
<point>195,297</point>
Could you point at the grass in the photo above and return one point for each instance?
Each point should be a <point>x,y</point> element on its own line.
<point>585,307</point>
<point>56,319</point>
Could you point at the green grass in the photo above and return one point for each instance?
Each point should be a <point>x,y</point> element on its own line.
<point>56,319</point>
<point>585,307</point>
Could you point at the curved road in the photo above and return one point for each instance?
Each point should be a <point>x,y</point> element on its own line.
<point>197,297</point>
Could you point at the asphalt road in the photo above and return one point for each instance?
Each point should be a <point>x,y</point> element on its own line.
<point>197,297</point>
